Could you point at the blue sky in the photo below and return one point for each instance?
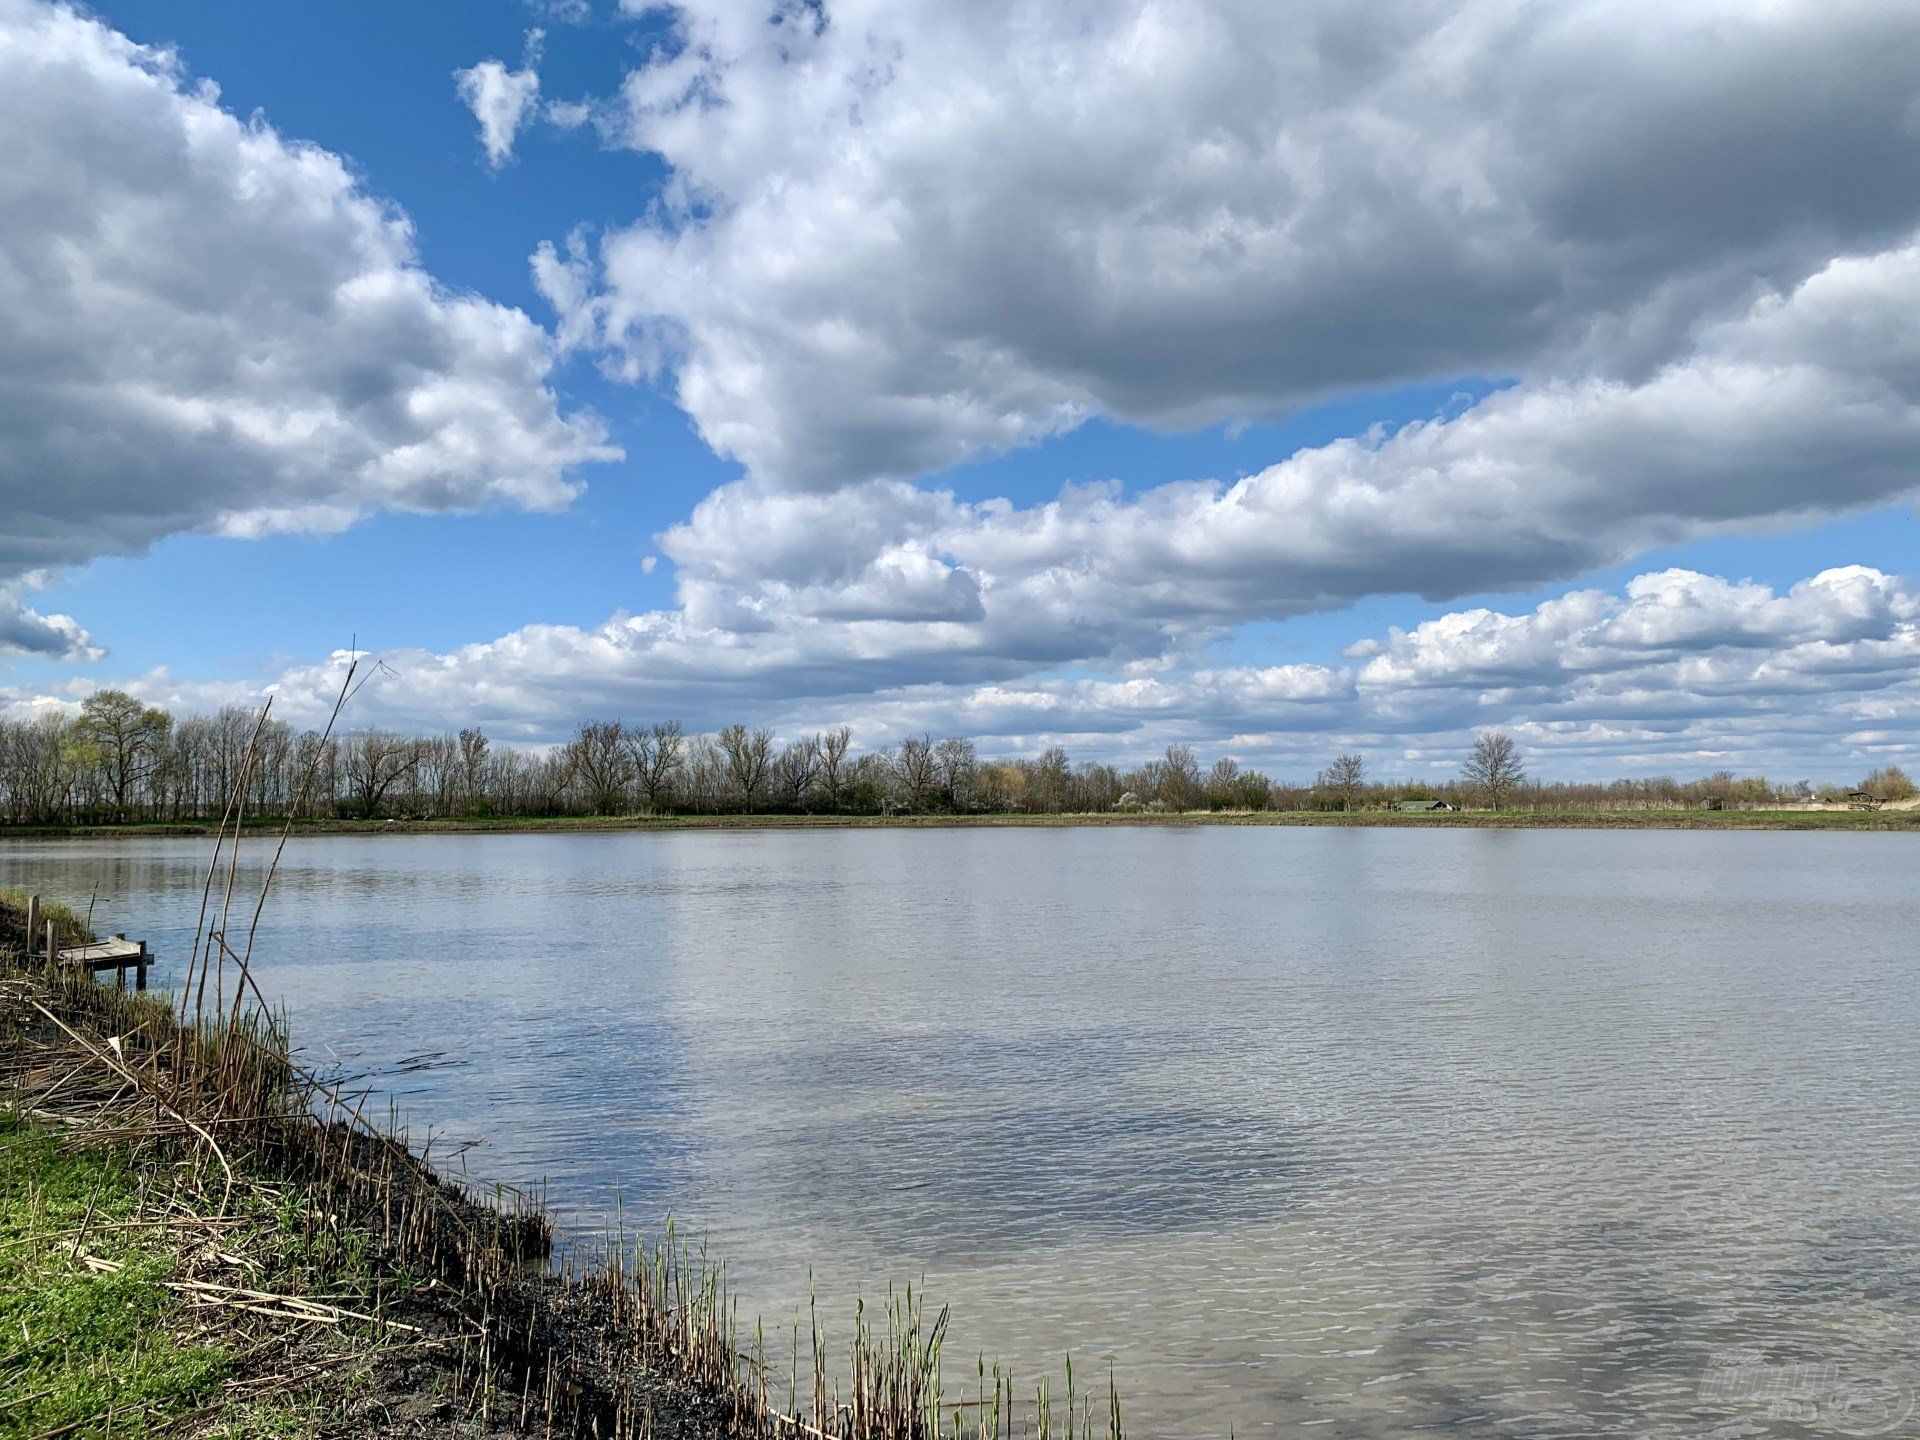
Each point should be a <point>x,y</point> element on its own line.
<point>853,328</point>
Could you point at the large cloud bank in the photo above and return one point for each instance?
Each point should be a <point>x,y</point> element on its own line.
<point>1682,241</point>
<point>209,327</point>
<point>902,232</point>
<point>1807,403</point>
<point>902,235</point>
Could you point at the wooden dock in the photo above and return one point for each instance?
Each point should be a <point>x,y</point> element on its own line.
<point>116,953</point>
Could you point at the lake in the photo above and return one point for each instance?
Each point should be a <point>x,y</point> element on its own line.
<point>1340,1132</point>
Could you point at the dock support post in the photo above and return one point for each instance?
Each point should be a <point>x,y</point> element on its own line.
<point>33,922</point>
<point>140,969</point>
<point>53,945</point>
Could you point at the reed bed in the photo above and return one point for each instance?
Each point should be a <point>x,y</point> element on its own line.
<point>628,1340</point>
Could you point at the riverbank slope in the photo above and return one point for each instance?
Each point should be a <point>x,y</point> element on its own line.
<point>198,1238</point>
<point>195,1243</point>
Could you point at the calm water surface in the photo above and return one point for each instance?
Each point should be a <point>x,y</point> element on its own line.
<point>1350,1133</point>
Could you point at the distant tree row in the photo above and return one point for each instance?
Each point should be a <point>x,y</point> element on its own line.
<point>119,760</point>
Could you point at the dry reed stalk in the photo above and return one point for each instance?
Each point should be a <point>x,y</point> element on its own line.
<point>347,691</point>
<point>195,960</point>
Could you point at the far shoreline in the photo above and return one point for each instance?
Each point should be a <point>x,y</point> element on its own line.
<point>1757,819</point>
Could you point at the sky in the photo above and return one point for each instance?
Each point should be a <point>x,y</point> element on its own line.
<point>1284,380</point>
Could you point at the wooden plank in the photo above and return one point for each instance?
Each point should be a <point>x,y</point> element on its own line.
<point>118,954</point>
<point>117,951</point>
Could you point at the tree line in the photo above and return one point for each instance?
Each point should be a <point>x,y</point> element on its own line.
<point>120,760</point>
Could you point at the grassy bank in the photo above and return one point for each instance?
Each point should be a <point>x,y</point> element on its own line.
<point>70,929</point>
<point>199,1239</point>
<point>132,1308</point>
<point>1878,820</point>
<point>184,1253</point>
<point>95,1334</point>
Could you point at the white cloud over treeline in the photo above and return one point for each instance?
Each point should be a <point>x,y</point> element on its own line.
<point>902,235</point>
<point>1679,670</point>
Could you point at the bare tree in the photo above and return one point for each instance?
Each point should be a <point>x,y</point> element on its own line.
<point>439,774</point>
<point>1223,783</point>
<point>267,785</point>
<point>1180,780</point>
<point>317,756</point>
<point>833,761</point>
<point>40,767</point>
<point>749,757</point>
<point>1344,777</point>
<point>228,738</point>
<point>704,776</point>
<point>917,769</point>
<point>600,764</point>
<point>656,756</point>
<point>1145,783</point>
<point>1047,782</point>
<point>957,763</point>
<point>376,761</point>
<point>796,770</point>
<point>1495,765</point>
<point>473,767</point>
<point>1095,787</point>
<point>873,781</point>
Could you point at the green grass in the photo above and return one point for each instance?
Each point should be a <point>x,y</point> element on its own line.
<point>85,1354</point>
<point>94,1353</point>
<point>13,911</point>
<point>283,1417</point>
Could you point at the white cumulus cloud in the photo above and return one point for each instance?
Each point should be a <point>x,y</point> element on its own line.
<point>502,100</point>
<point>902,232</point>
<point>24,631</point>
<point>210,327</point>
<point>1679,671</point>
<point>1807,404</point>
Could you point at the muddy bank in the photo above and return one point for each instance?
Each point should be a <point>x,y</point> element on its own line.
<point>325,1278</point>
<point>294,1256</point>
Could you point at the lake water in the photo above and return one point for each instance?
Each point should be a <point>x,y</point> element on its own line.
<point>1335,1132</point>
